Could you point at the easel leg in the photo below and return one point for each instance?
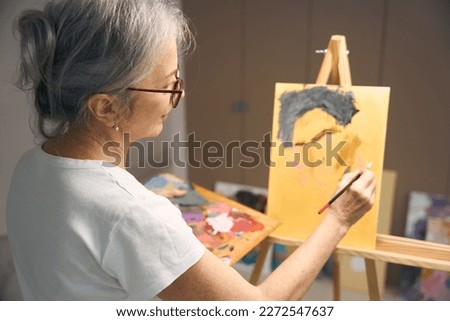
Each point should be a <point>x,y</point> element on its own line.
<point>372,281</point>
<point>256,273</point>
<point>336,277</point>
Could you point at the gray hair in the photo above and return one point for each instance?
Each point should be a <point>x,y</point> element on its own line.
<point>73,49</point>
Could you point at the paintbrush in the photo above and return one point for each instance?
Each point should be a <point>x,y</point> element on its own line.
<point>335,197</point>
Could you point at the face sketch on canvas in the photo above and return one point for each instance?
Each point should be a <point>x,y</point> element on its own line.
<point>313,123</point>
<point>319,132</point>
<point>312,138</point>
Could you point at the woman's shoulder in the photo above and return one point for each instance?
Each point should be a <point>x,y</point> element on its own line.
<point>131,195</point>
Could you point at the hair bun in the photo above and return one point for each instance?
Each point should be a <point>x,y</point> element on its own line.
<point>38,42</point>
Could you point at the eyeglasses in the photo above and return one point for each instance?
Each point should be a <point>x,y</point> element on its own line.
<point>176,92</point>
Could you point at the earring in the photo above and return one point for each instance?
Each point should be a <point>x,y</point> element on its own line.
<point>115,127</point>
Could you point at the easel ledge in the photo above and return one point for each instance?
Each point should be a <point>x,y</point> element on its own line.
<point>406,251</point>
<point>394,249</point>
<point>389,248</point>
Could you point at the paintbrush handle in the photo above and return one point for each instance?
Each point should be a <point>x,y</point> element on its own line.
<point>335,197</point>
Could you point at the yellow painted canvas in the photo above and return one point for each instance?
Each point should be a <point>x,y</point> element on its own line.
<point>318,133</point>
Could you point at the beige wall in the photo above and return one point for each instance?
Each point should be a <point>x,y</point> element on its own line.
<point>245,46</point>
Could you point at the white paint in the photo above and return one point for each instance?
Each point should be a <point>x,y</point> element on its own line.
<point>220,223</point>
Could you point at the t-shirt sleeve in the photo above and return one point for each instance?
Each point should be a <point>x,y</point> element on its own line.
<point>150,247</point>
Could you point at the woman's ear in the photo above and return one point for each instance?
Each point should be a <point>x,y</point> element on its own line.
<point>104,108</point>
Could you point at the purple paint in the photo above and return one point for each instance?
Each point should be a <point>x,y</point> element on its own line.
<point>192,217</point>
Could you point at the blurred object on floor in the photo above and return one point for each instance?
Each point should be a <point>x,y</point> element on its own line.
<point>428,218</point>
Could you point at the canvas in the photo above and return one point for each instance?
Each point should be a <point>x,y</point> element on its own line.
<point>318,134</point>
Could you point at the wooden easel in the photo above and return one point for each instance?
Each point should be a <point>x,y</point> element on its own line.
<point>390,249</point>
<point>336,68</point>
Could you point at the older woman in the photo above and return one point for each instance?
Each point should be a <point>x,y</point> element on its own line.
<point>82,228</point>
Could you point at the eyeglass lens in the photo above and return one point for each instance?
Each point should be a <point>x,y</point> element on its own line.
<point>175,98</point>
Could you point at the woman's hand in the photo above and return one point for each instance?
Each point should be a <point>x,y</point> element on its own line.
<point>357,200</point>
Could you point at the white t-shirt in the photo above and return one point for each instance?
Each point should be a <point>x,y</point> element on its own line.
<point>85,230</point>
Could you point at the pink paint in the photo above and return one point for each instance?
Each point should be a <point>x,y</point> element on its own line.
<point>226,259</point>
<point>244,223</point>
<point>219,208</point>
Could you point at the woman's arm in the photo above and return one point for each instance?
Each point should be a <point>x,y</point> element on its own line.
<point>211,279</point>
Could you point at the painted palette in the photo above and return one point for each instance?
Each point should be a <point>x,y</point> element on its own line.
<point>221,227</point>
<point>227,228</point>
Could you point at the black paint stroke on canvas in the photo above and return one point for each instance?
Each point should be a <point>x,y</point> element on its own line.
<point>294,104</point>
